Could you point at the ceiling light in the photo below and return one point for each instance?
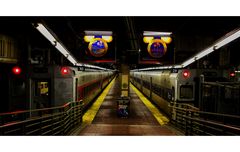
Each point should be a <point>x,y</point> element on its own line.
<point>229,39</point>
<point>43,30</point>
<point>104,33</point>
<point>152,33</point>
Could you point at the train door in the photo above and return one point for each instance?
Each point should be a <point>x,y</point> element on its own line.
<point>41,91</point>
<point>76,89</point>
<point>17,94</point>
<point>197,92</point>
<point>4,92</point>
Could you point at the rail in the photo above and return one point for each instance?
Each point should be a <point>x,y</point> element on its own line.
<point>195,122</point>
<point>48,121</point>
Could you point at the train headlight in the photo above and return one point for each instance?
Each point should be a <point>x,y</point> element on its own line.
<point>186,74</point>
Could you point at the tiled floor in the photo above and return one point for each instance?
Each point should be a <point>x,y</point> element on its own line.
<point>140,122</point>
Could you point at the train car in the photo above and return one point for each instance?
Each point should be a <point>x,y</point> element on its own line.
<point>56,85</point>
<point>176,85</point>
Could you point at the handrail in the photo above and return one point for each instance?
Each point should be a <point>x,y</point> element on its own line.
<point>36,110</point>
<point>47,121</point>
<point>195,122</point>
<point>204,112</point>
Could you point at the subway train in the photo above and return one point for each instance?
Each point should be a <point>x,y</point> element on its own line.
<point>49,86</point>
<point>173,86</point>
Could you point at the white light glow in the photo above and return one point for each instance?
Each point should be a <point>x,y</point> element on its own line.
<point>204,53</point>
<point>177,66</point>
<point>66,53</point>
<point>109,33</point>
<point>228,39</point>
<point>189,61</point>
<point>151,33</point>
<point>159,68</point>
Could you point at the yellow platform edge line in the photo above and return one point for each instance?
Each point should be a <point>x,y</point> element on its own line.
<point>92,111</point>
<point>162,120</point>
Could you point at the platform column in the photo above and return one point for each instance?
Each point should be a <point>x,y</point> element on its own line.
<point>124,79</point>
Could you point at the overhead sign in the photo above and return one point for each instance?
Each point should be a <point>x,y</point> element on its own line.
<point>157,48</point>
<point>98,47</point>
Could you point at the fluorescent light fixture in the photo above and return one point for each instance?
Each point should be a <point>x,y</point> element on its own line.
<point>92,66</point>
<point>189,61</point>
<point>227,40</point>
<point>66,53</point>
<point>177,66</point>
<point>152,33</point>
<point>204,53</point>
<point>105,33</point>
<point>237,71</point>
<point>159,68</point>
<point>43,30</point>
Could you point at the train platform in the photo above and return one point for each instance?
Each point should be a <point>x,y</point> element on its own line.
<point>144,119</point>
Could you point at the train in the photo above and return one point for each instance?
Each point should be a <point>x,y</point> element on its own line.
<point>166,87</point>
<point>66,84</point>
<point>39,87</point>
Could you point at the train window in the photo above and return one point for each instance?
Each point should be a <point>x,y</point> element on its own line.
<point>18,88</point>
<point>186,91</point>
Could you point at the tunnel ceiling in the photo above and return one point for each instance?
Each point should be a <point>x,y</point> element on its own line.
<point>191,34</point>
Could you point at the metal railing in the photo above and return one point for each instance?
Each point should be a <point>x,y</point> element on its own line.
<point>194,122</point>
<point>220,97</point>
<point>48,121</point>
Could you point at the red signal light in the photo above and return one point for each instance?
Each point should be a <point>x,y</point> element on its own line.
<point>16,70</point>
<point>232,74</point>
<point>186,74</point>
<point>65,70</point>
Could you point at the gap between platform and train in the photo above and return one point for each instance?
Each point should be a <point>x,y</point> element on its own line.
<point>162,120</point>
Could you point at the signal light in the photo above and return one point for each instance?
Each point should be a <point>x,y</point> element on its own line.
<point>65,70</point>
<point>232,74</point>
<point>16,70</point>
<point>186,74</point>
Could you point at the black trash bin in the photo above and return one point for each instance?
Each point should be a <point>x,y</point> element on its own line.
<point>123,104</point>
